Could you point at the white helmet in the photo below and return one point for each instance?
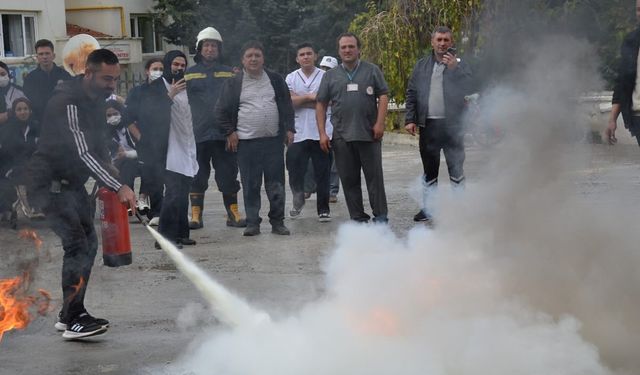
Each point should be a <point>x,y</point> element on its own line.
<point>208,33</point>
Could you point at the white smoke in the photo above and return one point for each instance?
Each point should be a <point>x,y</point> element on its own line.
<point>521,275</point>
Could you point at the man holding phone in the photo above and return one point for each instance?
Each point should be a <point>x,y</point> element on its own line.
<point>434,103</point>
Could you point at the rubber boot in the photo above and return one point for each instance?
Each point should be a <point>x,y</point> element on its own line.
<point>197,206</point>
<point>234,219</point>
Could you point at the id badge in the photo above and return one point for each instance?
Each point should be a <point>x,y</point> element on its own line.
<point>352,87</point>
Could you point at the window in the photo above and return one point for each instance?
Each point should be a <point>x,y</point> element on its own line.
<point>144,27</point>
<point>18,34</point>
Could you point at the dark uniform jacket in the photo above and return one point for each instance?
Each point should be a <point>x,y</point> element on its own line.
<point>151,111</point>
<point>204,84</point>
<point>17,143</point>
<point>626,79</point>
<point>229,104</point>
<point>39,85</point>
<point>72,144</point>
<point>456,84</point>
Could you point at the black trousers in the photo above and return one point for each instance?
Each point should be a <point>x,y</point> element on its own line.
<point>436,136</point>
<point>174,217</point>
<point>298,156</point>
<point>225,164</point>
<point>69,216</point>
<point>8,194</point>
<point>129,169</point>
<point>634,129</point>
<point>351,157</point>
<point>153,186</point>
<point>258,158</point>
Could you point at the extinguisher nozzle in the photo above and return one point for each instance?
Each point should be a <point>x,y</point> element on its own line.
<point>142,219</point>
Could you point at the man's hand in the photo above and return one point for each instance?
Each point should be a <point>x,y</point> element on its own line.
<point>127,197</point>
<point>288,139</point>
<point>120,154</point>
<point>325,142</point>
<point>177,87</point>
<point>378,131</point>
<point>450,61</point>
<point>411,128</point>
<point>232,142</point>
<point>610,132</point>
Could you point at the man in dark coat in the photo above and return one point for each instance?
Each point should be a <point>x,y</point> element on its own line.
<point>72,147</point>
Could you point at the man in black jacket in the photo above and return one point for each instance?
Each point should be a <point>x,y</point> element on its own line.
<point>204,82</point>
<point>435,102</point>
<point>40,82</point>
<point>72,147</point>
<point>256,114</point>
<point>626,93</point>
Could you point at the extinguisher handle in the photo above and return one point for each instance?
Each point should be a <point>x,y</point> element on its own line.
<point>143,220</point>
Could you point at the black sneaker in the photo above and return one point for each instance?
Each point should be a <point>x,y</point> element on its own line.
<point>186,241</point>
<point>61,324</point>
<point>280,229</point>
<point>84,325</point>
<point>423,217</point>
<point>251,230</point>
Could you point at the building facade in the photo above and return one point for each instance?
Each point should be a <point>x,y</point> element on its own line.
<point>124,26</point>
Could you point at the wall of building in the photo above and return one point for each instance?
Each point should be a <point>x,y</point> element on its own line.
<point>105,16</point>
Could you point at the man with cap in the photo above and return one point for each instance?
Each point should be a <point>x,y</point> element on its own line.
<point>328,63</point>
<point>303,85</point>
<point>204,81</point>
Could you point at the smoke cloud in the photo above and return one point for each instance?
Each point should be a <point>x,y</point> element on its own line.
<point>522,275</point>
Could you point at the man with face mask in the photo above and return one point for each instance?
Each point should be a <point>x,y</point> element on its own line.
<point>167,144</point>
<point>204,82</point>
<point>71,148</point>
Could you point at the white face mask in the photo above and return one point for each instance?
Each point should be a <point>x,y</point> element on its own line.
<point>155,74</point>
<point>4,81</point>
<point>114,120</point>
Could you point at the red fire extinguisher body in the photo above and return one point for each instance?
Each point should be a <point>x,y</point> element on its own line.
<point>114,223</point>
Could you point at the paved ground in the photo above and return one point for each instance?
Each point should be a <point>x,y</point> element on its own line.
<point>149,302</point>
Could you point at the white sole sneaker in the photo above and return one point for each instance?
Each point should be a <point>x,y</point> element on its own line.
<point>71,335</point>
<point>63,327</point>
<point>295,214</point>
<point>324,218</point>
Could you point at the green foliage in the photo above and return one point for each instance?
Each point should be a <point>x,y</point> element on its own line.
<point>279,25</point>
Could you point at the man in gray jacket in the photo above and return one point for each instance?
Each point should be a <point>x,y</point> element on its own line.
<point>435,102</point>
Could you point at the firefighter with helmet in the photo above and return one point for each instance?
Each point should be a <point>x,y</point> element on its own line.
<point>204,83</point>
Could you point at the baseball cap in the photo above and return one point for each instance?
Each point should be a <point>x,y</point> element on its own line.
<point>329,61</point>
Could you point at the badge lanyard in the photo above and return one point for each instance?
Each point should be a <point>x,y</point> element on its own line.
<point>351,75</point>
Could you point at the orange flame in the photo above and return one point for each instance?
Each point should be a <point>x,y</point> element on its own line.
<point>15,304</point>
<point>30,234</point>
<point>378,321</point>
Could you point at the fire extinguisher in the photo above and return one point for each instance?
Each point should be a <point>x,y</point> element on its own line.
<point>114,219</point>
